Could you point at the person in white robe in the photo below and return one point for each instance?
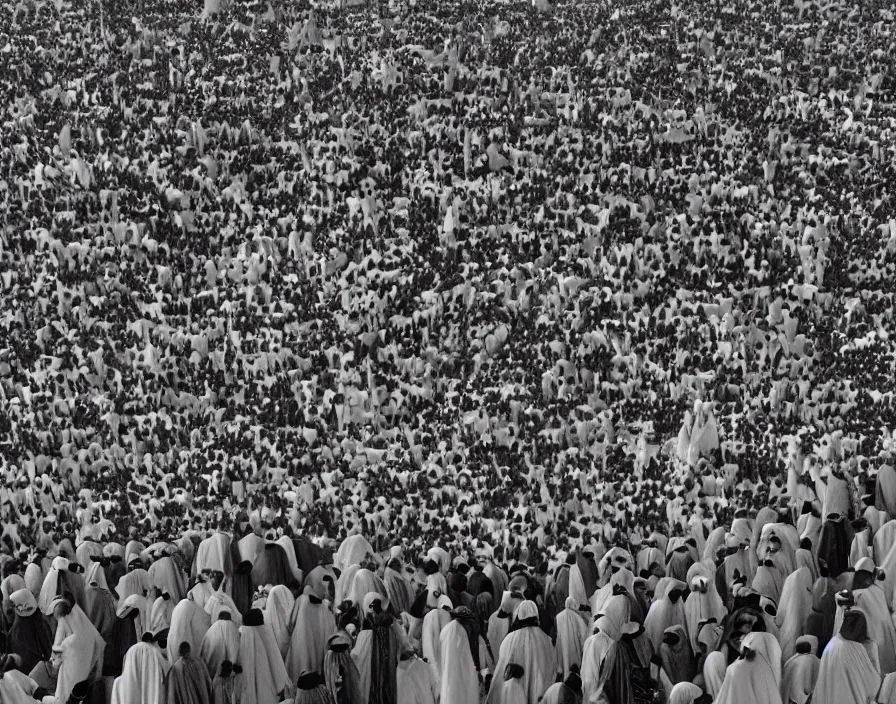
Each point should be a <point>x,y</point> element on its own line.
<point>529,646</point>
<point>433,623</point>
<point>278,612</point>
<point>416,681</point>
<point>755,677</point>
<point>801,671</point>
<point>597,661</point>
<point>83,647</point>
<point>849,672</point>
<point>793,609</point>
<point>142,679</point>
<point>189,623</point>
<point>221,642</point>
<point>572,631</point>
<point>312,624</point>
<point>459,679</point>
<point>499,622</point>
<point>264,678</point>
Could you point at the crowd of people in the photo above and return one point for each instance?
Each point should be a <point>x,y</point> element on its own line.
<point>420,351</point>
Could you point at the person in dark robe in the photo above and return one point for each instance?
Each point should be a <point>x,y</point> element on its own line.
<point>479,583</point>
<point>556,593</point>
<point>588,569</point>
<point>311,689</point>
<point>820,622</point>
<point>121,638</point>
<point>308,555</point>
<point>188,681</point>
<point>340,672</point>
<point>272,567</point>
<point>241,582</point>
<point>115,570</point>
<point>457,591</point>
<point>30,638</point>
<point>834,544</point>
<point>377,650</point>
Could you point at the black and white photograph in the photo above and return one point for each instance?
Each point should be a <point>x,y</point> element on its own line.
<point>447,352</point>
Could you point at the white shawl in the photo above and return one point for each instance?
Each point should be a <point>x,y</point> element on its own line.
<point>460,683</point>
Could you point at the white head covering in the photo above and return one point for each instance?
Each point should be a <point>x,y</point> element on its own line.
<point>460,683</point>
<point>142,679</point>
<point>531,648</point>
<point>685,693</point>
<point>756,680</point>
<point>277,614</point>
<point>188,623</point>
<point>83,649</point>
<point>221,642</point>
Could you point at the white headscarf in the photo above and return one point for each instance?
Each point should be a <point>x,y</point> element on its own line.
<point>531,648</point>
<point>572,631</point>
<point>278,612</point>
<point>142,680</point>
<point>756,680</point>
<point>188,623</point>
<point>460,683</point>
<point>83,649</point>
<point>221,642</point>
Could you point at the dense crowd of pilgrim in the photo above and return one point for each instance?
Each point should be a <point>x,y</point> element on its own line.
<point>449,351</point>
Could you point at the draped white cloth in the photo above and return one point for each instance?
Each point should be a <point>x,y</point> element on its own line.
<point>142,680</point>
<point>264,674</point>
<point>82,651</point>
<point>530,647</point>
<point>278,611</point>
<point>416,682</point>
<point>847,674</point>
<point>189,623</point>
<point>313,624</point>
<point>221,642</point>
<point>756,680</point>
<point>459,680</point>
<point>801,674</point>
<point>572,631</point>
<point>598,656</point>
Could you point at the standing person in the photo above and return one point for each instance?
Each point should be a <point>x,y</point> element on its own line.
<point>849,672</point>
<point>30,637</point>
<point>312,625</point>
<point>83,647</point>
<point>531,648</point>
<point>264,678</point>
<point>416,681</point>
<point>376,650</point>
<point>188,681</point>
<point>459,679</point>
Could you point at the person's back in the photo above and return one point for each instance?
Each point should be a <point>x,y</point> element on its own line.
<point>416,681</point>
